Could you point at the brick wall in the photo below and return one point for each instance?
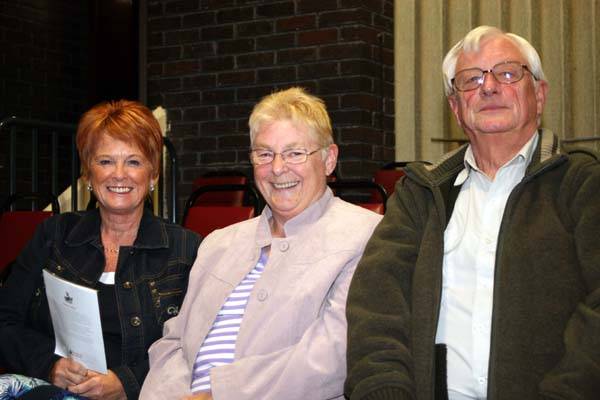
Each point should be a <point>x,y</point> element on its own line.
<point>210,61</point>
<point>43,62</point>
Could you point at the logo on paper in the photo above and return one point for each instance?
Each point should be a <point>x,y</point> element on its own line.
<point>68,298</point>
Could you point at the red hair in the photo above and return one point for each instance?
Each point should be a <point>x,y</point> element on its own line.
<point>125,120</point>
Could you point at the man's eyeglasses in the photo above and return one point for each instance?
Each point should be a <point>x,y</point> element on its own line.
<point>507,72</point>
<point>290,156</point>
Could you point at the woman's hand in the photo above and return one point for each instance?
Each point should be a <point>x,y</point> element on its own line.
<point>100,386</point>
<point>199,396</point>
<point>67,372</point>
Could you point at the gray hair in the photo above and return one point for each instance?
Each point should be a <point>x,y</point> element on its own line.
<point>471,43</point>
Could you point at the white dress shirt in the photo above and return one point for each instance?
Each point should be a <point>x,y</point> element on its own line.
<point>470,243</point>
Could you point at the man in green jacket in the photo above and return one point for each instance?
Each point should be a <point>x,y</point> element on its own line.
<point>483,279</point>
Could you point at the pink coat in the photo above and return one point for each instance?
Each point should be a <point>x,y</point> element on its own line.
<point>292,341</point>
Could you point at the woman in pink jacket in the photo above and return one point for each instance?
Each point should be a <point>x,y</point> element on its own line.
<point>264,314</point>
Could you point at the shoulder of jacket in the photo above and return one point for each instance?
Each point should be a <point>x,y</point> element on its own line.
<point>66,220</point>
<point>346,225</point>
<point>436,174</point>
<point>178,231</point>
<point>224,236</point>
<point>347,212</point>
<point>578,152</point>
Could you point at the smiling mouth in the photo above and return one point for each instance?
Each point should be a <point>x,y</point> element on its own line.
<point>491,108</point>
<point>119,189</point>
<point>284,185</point>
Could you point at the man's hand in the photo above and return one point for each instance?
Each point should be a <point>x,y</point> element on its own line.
<point>67,372</point>
<point>199,396</point>
<point>101,387</point>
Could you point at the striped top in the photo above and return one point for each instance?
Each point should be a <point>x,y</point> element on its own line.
<point>219,345</point>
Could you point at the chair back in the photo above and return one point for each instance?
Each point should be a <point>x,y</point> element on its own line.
<point>379,208</point>
<point>220,198</point>
<point>389,175</point>
<point>386,178</point>
<point>204,218</point>
<point>17,227</point>
<point>377,205</point>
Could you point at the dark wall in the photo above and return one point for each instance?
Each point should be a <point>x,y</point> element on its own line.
<point>57,59</point>
<point>114,44</point>
<point>210,61</point>
<point>43,58</point>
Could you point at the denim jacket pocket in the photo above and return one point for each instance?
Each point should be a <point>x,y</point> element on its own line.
<point>59,269</point>
<point>167,295</point>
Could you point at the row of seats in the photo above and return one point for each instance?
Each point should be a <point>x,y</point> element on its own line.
<point>222,199</point>
<point>217,201</point>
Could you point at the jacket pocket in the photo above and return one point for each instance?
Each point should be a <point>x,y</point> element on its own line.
<point>167,295</point>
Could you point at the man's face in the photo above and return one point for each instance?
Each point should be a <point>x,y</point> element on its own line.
<point>494,107</point>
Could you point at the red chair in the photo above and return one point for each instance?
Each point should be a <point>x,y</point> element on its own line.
<point>17,227</point>
<point>204,219</point>
<point>221,198</point>
<point>377,206</point>
<point>386,178</point>
<point>389,175</point>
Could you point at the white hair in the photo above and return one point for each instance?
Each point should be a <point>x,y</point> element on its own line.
<point>471,43</point>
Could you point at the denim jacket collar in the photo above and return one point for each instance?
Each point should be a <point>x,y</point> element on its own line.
<point>87,230</point>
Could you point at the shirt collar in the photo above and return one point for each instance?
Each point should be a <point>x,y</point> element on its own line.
<point>524,155</point>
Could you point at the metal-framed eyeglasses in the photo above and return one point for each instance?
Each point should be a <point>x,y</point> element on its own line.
<point>506,72</point>
<point>289,156</point>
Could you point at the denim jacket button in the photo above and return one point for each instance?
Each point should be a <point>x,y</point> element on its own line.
<point>157,303</point>
<point>135,321</point>
<point>127,285</point>
<point>173,310</point>
<point>59,268</point>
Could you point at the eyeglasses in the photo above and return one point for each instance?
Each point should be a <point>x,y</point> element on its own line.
<point>290,156</point>
<point>507,72</point>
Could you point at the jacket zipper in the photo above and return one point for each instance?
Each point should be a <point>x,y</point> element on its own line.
<point>442,213</point>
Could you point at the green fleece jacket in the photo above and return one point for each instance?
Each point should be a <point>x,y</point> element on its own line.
<point>545,340</point>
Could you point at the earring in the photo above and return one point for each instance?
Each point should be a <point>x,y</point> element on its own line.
<point>151,187</point>
<point>89,187</point>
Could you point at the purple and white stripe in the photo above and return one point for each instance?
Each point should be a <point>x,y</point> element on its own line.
<point>218,347</point>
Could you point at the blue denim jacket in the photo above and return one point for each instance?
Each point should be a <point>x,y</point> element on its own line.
<point>150,283</point>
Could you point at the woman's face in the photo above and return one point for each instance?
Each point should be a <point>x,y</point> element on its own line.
<point>120,176</point>
<point>290,188</point>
